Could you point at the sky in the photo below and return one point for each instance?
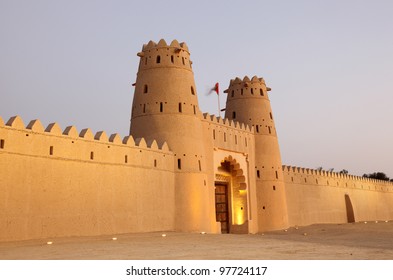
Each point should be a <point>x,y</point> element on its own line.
<point>329,64</point>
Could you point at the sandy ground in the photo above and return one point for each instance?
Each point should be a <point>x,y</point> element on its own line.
<point>327,242</point>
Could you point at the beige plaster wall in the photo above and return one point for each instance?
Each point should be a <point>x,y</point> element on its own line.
<point>62,191</point>
<point>319,197</point>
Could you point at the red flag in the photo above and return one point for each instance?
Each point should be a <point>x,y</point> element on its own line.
<point>216,88</point>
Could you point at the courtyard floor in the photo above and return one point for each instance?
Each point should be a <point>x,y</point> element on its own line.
<point>357,241</point>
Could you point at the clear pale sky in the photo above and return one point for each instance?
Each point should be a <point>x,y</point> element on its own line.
<point>329,64</point>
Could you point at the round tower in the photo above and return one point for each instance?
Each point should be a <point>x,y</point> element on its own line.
<point>248,102</point>
<point>165,108</point>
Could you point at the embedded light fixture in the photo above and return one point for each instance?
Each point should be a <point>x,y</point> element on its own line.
<point>163,235</point>
<point>49,243</point>
<point>114,238</point>
<point>203,232</point>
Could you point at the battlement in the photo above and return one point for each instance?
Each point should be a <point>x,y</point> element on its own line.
<point>69,144</point>
<point>54,129</point>
<point>247,87</point>
<point>246,80</point>
<point>228,123</point>
<point>158,55</point>
<point>162,44</point>
<point>336,179</point>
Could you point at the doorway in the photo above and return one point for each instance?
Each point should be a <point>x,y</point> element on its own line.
<point>222,214</point>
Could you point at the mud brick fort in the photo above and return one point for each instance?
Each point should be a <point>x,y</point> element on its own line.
<point>178,170</point>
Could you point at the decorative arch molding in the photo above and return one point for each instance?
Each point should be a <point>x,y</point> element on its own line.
<point>231,191</point>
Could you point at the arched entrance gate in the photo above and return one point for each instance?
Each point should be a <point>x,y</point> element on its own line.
<point>231,197</point>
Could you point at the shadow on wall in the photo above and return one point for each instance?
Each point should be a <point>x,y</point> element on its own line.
<point>349,208</point>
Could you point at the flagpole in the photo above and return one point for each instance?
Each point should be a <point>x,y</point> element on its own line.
<point>219,110</point>
<point>217,90</point>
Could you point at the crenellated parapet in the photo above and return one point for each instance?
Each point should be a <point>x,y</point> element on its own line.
<point>301,175</point>
<point>230,124</point>
<point>162,44</point>
<point>161,54</point>
<point>228,134</point>
<point>247,87</point>
<point>69,144</point>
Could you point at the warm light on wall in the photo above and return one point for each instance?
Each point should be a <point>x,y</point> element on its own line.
<point>239,216</point>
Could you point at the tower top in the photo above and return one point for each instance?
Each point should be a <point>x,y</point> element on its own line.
<point>246,81</point>
<point>162,44</point>
<point>247,87</point>
<point>162,55</point>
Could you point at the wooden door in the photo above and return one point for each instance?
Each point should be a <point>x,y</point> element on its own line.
<point>222,214</point>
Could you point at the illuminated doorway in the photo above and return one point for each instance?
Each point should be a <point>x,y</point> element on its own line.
<point>231,198</point>
<point>222,214</point>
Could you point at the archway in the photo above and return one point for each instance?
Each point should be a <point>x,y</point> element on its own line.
<point>231,198</point>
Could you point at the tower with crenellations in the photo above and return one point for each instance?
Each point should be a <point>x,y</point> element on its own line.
<point>165,108</point>
<point>248,103</point>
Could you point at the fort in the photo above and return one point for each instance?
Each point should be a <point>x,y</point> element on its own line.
<point>178,170</point>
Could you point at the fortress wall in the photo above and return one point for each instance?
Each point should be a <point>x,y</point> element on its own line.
<point>61,183</point>
<point>320,197</point>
